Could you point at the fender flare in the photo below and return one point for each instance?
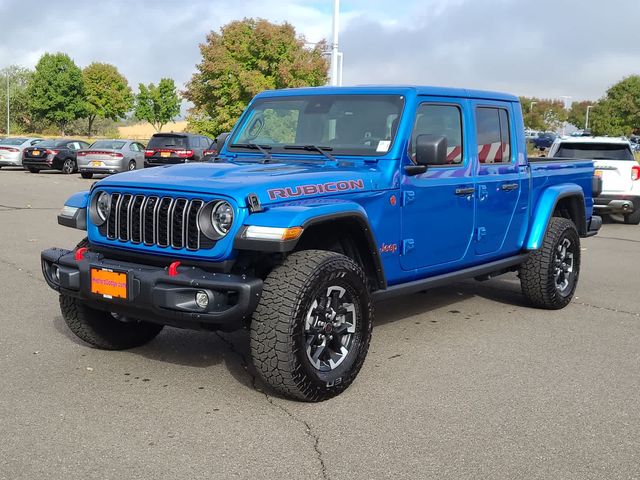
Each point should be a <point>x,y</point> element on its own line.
<point>305,215</point>
<point>544,211</point>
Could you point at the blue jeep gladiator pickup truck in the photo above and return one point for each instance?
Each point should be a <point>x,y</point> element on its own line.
<point>321,201</point>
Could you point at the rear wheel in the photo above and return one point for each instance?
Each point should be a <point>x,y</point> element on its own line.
<point>310,333</point>
<point>132,165</point>
<point>105,330</point>
<point>69,166</point>
<point>632,218</point>
<point>86,175</point>
<point>550,276</point>
<point>33,170</point>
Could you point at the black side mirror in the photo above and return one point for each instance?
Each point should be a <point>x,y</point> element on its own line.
<point>431,150</point>
<point>220,139</point>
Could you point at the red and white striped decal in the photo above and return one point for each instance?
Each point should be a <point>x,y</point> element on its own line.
<point>493,152</point>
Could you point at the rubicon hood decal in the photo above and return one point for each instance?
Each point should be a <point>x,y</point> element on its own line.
<point>314,189</point>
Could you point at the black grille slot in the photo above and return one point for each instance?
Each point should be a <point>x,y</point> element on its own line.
<point>162,221</point>
<point>162,228</point>
<point>111,222</point>
<point>123,220</point>
<point>136,219</point>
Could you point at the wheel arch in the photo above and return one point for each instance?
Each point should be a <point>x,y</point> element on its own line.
<point>565,200</point>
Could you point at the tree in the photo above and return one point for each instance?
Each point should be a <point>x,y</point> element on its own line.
<point>243,59</point>
<point>20,119</point>
<point>543,114</point>
<point>157,105</point>
<point>618,113</point>
<point>107,92</point>
<point>578,113</point>
<point>56,90</point>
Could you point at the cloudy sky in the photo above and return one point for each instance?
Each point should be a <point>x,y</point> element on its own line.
<point>544,48</point>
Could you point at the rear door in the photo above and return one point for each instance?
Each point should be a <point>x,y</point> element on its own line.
<point>498,180</point>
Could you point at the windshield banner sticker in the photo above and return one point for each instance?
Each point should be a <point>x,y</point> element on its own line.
<point>314,189</point>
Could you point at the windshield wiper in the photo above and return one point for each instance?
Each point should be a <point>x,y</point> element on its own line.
<point>263,149</point>
<point>313,148</point>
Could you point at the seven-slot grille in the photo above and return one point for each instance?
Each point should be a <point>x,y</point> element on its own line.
<point>154,220</point>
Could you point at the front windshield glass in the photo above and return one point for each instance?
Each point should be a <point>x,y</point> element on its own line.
<point>342,124</point>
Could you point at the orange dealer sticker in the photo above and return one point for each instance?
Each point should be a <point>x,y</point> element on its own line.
<point>108,283</point>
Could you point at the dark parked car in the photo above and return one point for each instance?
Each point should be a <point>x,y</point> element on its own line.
<point>53,154</point>
<point>544,140</point>
<point>171,148</point>
<point>215,147</point>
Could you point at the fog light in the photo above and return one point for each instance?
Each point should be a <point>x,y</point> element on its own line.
<point>55,273</point>
<point>202,299</point>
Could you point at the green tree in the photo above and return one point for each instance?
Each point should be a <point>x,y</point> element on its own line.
<point>543,114</point>
<point>107,92</point>
<point>243,59</point>
<point>56,90</point>
<point>19,117</point>
<point>157,105</point>
<point>618,113</point>
<point>578,113</point>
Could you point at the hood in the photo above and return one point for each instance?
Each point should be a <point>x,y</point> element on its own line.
<point>272,182</point>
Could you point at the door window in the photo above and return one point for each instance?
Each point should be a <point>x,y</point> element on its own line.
<point>441,120</point>
<point>493,134</point>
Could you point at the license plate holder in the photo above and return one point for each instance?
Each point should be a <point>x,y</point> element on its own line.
<point>165,154</point>
<point>96,163</point>
<point>36,153</point>
<point>109,283</point>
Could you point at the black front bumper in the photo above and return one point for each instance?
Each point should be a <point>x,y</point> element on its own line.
<point>624,204</point>
<point>154,295</point>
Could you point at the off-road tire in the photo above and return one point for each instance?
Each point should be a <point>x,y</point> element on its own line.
<point>33,170</point>
<point>632,218</point>
<point>86,175</point>
<point>537,273</point>
<point>102,330</point>
<point>278,346</point>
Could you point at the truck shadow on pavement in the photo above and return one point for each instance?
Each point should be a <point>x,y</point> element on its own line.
<point>201,349</point>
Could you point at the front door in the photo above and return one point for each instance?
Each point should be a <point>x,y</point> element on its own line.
<point>438,205</point>
<point>498,182</point>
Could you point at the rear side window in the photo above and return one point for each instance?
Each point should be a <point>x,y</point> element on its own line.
<point>595,151</point>
<point>441,120</point>
<point>168,141</point>
<point>493,134</point>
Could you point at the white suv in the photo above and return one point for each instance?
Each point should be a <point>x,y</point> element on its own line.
<point>615,164</point>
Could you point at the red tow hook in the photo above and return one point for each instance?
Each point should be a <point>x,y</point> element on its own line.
<point>80,253</point>
<point>173,269</point>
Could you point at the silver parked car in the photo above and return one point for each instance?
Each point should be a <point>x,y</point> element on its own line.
<point>110,156</point>
<point>12,148</point>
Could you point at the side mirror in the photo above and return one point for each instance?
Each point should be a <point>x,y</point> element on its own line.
<point>220,139</point>
<point>431,150</point>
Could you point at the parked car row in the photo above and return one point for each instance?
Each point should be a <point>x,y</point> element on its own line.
<point>106,156</point>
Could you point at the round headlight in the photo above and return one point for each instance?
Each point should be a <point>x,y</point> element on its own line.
<point>222,218</point>
<point>103,206</point>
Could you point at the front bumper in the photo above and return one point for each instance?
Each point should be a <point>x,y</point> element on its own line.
<point>154,295</point>
<point>620,204</point>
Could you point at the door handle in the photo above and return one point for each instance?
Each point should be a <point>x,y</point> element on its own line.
<point>463,192</point>
<point>509,186</point>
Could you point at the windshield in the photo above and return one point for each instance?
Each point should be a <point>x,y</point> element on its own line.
<point>594,151</point>
<point>342,124</point>
<point>114,145</point>
<point>168,141</point>
<point>12,141</point>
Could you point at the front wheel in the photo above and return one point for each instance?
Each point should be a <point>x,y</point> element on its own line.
<point>132,165</point>
<point>69,166</point>
<point>105,330</point>
<point>310,333</point>
<point>550,275</point>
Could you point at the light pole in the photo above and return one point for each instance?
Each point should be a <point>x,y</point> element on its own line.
<point>336,56</point>
<point>586,121</point>
<point>8,121</point>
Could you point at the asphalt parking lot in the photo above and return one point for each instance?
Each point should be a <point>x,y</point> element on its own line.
<point>463,381</point>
